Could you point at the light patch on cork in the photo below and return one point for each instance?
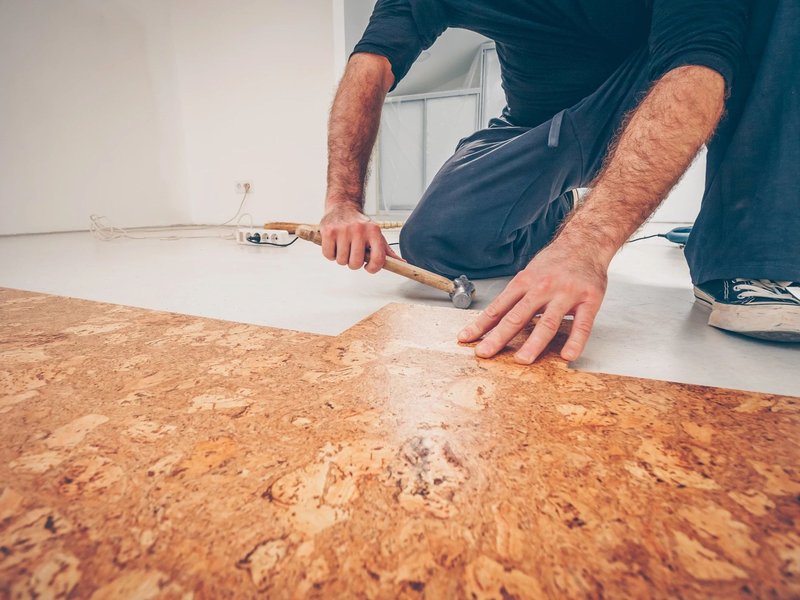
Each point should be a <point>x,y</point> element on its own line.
<point>262,561</point>
<point>571,410</point>
<point>305,491</point>
<point>72,434</point>
<point>25,300</point>
<point>717,525</point>
<point>699,433</point>
<point>28,535</point>
<point>134,362</point>
<point>753,501</point>
<point>138,584</point>
<point>10,502</point>
<point>703,563</point>
<point>487,579</point>
<point>755,404</point>
<point>189,329</point>
<point>405,371</point>
<point>334,376</point>
<point>165,465</point>
<point>54,577</point>
<point>472,393</point>
<point>319,494</point>
<point>667,467</point>
<point>217,402</point>
<point>23,355</point>
<point>143,430</point>
<point>510,540</point>
<point>38,463</point>
<point>87,329</point>
<point>399,346</point>
<point>9,402</point>
<point>778,481</point>
<point>787,547</point>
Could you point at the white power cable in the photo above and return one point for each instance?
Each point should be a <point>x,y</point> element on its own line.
<point>103,229</point>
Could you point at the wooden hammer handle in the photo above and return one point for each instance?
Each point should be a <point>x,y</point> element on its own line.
<point>312,234</point>
<point>292,227</point>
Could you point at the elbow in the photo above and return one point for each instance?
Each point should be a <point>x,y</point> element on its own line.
<point>702,89</point>
<point>376,65</point>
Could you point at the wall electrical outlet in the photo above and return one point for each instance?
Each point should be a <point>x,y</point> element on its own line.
<point>240,187</point>
<point>273,236</point>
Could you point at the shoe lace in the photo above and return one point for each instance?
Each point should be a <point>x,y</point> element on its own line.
<point>763,288</point>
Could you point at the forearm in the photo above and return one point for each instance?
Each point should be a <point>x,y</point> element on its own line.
<point>655,148</point>
<point>353,127</point>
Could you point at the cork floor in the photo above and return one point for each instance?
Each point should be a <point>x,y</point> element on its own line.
<point>154,455</point>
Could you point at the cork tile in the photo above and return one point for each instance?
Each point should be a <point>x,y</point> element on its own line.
<point>155,455</point>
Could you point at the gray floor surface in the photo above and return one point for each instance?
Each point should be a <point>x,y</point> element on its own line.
<point>649,325</point>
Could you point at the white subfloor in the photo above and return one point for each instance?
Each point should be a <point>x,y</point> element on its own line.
<point>648,327</point>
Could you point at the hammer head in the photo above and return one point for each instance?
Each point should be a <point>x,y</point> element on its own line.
<point>463,292</point>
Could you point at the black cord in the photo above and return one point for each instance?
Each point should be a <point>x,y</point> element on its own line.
<point>395,244</point>
<point>272,243</point>
<point>647,237</point>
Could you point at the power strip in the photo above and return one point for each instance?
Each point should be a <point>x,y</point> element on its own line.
<point>273,236</point>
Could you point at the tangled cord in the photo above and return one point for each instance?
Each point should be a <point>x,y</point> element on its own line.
<point>104,230</point>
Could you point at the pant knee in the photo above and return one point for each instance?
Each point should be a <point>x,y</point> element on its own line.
<point>435,249</point>
<point>415,242</point>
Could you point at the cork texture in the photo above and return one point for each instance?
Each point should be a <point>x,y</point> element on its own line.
<point>154,455</point>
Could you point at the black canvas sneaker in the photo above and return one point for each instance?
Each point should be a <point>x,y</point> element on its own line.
<point>760,308</point>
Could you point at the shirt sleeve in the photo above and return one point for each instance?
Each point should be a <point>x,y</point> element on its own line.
<point>400,30</point>
<point>707,33</point>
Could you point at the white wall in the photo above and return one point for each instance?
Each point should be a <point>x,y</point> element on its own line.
<point>256,80</point>
<point>147,111</point>
<point>683,203</point>
<point>88,115</point>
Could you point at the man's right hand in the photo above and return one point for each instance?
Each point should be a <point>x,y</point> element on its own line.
<point>347,235</point>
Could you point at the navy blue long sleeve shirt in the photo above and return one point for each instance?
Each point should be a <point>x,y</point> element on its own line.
<point>553,53</point>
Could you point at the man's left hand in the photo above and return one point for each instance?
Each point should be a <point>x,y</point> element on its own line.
<point>563,279</point>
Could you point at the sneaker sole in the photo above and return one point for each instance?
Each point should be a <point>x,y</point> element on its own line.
<point>772,323</point>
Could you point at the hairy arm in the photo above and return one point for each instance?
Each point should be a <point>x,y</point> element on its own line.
<point>654,149</point>
<point>355,117</point>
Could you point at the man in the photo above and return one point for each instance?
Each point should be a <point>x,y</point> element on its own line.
<point>618,96</point>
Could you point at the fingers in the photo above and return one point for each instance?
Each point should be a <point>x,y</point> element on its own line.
<point>357,253</point>
<point>581,329</point>
<point>510,325</point>
<point>559,280</point>
<point>349,246</point>
<point>342,248</point>
<point>328,246</point>
<point>491,315</point>
<point>377,253</point>
<point>393,254</point>
<point>543,333</point>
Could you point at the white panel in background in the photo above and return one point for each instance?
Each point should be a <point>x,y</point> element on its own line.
<point>683,203</point>
<point>448,120</point>
<point>401,155</point>
<point>494,98</point>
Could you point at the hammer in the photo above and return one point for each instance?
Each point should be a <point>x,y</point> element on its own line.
<point>461,290</point>
<point>292,227</point>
